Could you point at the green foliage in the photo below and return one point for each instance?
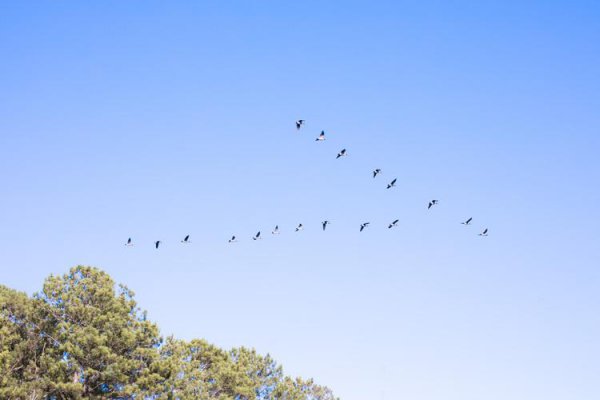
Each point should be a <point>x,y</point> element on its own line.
<point>80,338</point>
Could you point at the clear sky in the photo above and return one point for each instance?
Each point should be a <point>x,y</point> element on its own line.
<point>156,119</point>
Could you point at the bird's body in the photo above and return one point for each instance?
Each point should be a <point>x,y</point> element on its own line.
<point>321,137</point>
<point>342,153</point>
<point>467,222</point>
<point>299,227</point>
<point>432,203</point>
<point>299,124</point>
<point>186,239</point>
<point>393,224</point>
<point>376,172</point>
<point>325,223</point>
<point>276,230</point>
<point>257,236</point>
<point>156,244</point>
<point>129,243</point>
<point>392,184</point>
<point>363,226</point>
<point>484,233</point>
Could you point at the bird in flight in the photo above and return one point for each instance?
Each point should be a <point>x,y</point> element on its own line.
<point>299,227</point>
<point>299,124</point>
<point>393,224</point>
<point>233,239</point>
<point>484,233</point>
<point>376,172</point>
<point>186,239</point>
<point>341,154</point>
<point>276,230</point>
<point>467,222</point>
<point>392,184</point>
<point>257,236</point>
<point>156,244</point>
<point>321,137</point>
<point>363,226</point>
<point>325,223</point>
<point>129,243</point>
<point>432,203</point>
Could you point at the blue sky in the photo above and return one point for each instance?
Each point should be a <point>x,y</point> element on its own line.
<point>155,120</point>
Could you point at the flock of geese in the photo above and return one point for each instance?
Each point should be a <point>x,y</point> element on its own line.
<point>342,153</point>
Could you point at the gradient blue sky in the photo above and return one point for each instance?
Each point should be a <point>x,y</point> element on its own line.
<point>159,119</point>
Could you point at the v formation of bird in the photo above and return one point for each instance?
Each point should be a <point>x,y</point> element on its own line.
<point>342,153</point>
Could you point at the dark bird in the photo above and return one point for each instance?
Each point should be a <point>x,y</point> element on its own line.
<point>299,123</point>
<point>325,223</point>
<point>392,184</point>
<point>363,226</point>
<point>129,243</point>
<point>257,236</point>
<point>233,239</point>
<point>484,233</point>
<point>186,239</point>
<point>156,244</point>
<point>376,172</point>
<point>393,224</point>
<point>276,230</point>
<point>299,227</point>
<point>321,137</point>
<point>341,154</point>
<point>432,203</point>
<point>467,222</point>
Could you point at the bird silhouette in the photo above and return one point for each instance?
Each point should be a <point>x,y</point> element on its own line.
<point>342,153</point>
<point>325,223</point>
<point>467,222</point>
<point>233,239</point>
<point>363,226</point>
<point>257,236</point>
<point>376,172</point>
<point>156,244</point>
<point>432,203</point>
<point>484,233</point>
<point>129,242</point>
<point>276,230</point>
<point>186,239</point>
<point>299,124</point>
<point>321,137</point>
<point>393,224</point>
<point>392,184</point>
<point>299,227</point>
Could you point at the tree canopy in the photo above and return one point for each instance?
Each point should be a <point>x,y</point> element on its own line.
<point>82,337</point>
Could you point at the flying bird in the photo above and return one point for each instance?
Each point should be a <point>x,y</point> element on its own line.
<point>341,154</point>
<point>376,172</point>
<point>467,222</point>
<point>257,236</point>
<point>276,230</point>
<point>186,239</point>
<point>129,243</point>
<point>233,239</point>
<point>364,225</point>
<point>299,124</point>
<point>393,224</point>
<point>156,244</point>
<point>392,184</point>
<point>299,227</point>
<point>432,203</point>
<point>321,137</point>
<point>325,223</point>
<point>484,233</point>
